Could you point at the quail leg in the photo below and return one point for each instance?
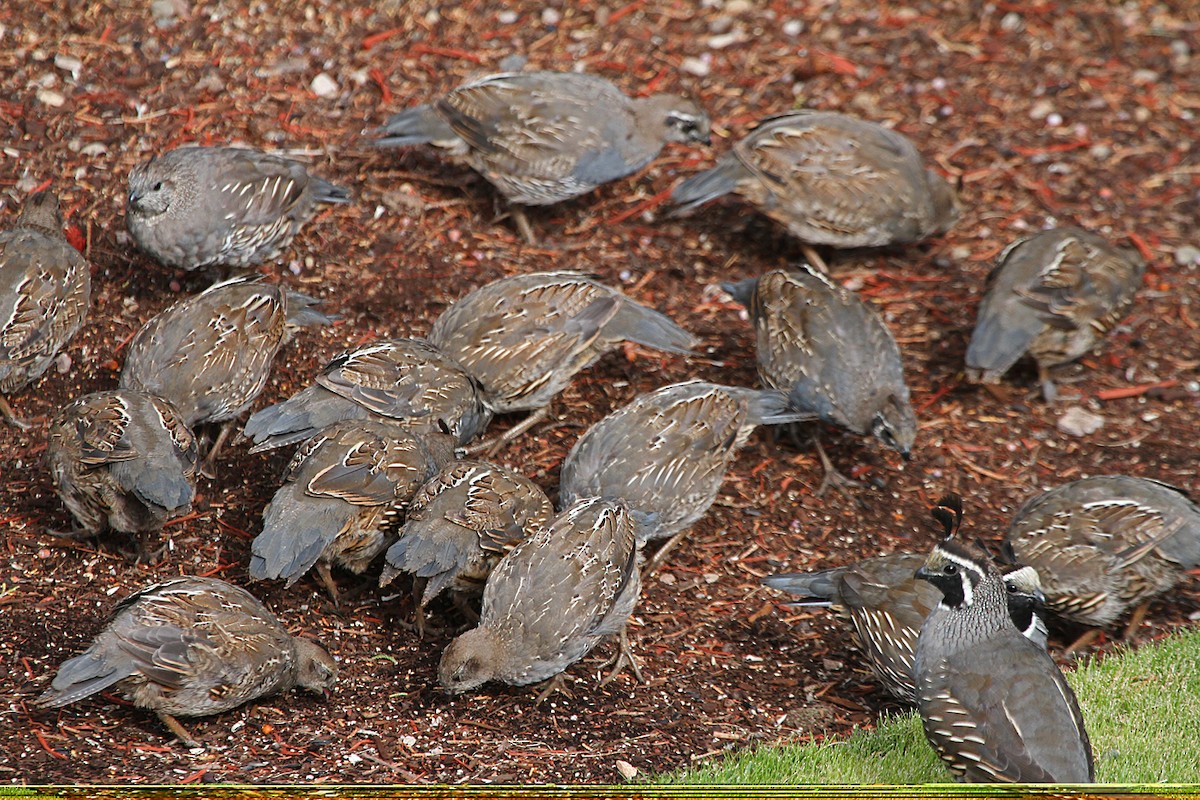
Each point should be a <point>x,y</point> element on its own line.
<point>1135,619</point>
<point>623,657</point>
<point>814,258</point>
<point>11,417</point>
<point>180,732</point>
<point>522,222</point>
<point>1049,390</point>
<point>490,446</point>
<point>208,467</point>
<point>661,555</point>
<point>1083,641</point>
<point>833,478</point>
<point>330,586</point>
<point>556,684</point>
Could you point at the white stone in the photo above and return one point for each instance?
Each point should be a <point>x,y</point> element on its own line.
<point>324,86</point>
<point>1077,421</point>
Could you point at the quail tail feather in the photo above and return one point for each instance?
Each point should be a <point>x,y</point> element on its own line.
<point>326,192</point>
<point>708,185</point>
<point>418,125</point>
<point>650,328</point>
<point>812,588</point>
<point>82,677</point>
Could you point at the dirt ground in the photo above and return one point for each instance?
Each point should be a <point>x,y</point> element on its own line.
<point>1045,115</point>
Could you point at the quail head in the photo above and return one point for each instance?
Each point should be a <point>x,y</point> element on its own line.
<point>1107,544</point>
<point>122,460</point>
<point>1053,295</point>
<point>525,337</point>
<point>211,354</point>
<point>886,604</point>
<point>994,705</point>
<point>194,207</point>
<point>45,289</point>
<point>190,647</point>
<point>403,381</point>
<point>461,523</point>
<point>551,600</point>
<point>832,353</point>
<point>343,496</point>
<point>831,179</point>
<point>544,137</point>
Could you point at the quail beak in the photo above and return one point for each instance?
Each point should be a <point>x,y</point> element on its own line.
<point>134,198</point>
<point>327,694</point>
<point>923,573</point>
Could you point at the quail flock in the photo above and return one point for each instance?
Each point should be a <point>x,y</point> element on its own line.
<point>384,427</point>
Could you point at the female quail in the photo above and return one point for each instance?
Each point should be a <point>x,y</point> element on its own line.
<point>525,337</point>
<point>1053,295</point>
<point>1106,544</point>
<point>190,647</point>
<point>833,354</point>
<point>551,600</point>
<point>123,460</point>
<point>405,381</point>
<point>994,705</point>
<point>193,207</point>
<point>343,496</point>
<point>45,289</point>
<point>544,137</point>
<point>211,354</point>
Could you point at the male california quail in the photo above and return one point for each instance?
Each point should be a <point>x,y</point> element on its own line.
<point>830,179</point>
<point>194,207</point>
<point>544,137</point>
<point>45,289</point>
<point>524,337</point>
<point>994,705</point>
<point>832,353</point>
<point>551,599</point>
<point>461,523</point>
<point>190,647</point>
<point>1106,544</point>
<point>1053,295</point>
<point>666,453</point>
<point>886,604</point>
<point>123,460</point>
<point>405,381</point>
<point>343,496</point>
<point>211,354</point>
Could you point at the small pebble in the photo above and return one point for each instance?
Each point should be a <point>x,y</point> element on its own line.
<point>62,363</point>
<point>51,98</point>
<point>738,7</point>
<point>1187,255</point>
<point>793,27</point>
<point>1054,120</point>
<point>1011,22</point>
<point>551,17</point>
<point>507,17</point>
<point>68,63</point>
<point>700,67</point>
<point>726,39</point>
<point>1077,421</point>
<point>324,86</point>
<point>628,771</point>
<point>1041,109</point>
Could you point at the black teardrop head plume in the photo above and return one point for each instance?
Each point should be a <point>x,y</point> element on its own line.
<point>949,513</point>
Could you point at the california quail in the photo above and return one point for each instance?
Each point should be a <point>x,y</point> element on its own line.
<point>550,600</point>
<point>406,381</point>
<point>190,647</point>
<point>525,337</point>
<point>194,207</point>
<point>666,453</point>
<point>123,460</point>
<point>461,523</point>
<point>544,137</point>
<point>832,353</point>
<point>994,705</point>
<point>211,354</point>
<point>1053,295</point>
<point>343,496</point>
<point>45,289</point>
<point>831,179</point>
<point>1106,544</point>
<point>886,604</point>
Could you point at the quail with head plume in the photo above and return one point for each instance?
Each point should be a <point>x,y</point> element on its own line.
<point>1053,295</point>
<point>886,604</point>
<point>460,524</point>
<point>544,137</point>
<point>404,381</point>
<point>343,496</point>
<point>833,355</point>
<point>45,290</point>
<point>525,337</point>
<point>1107,544</point>
<point>551,600</point>
<point>994,705</point>
<point>191,647</point>
<point>122,460</point>
<point>831,179</point>
<point>193,207</point>
<point>210,355</point>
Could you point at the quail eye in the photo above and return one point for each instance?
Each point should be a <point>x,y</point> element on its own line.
<point>157,186</point>
<point>950,569</point>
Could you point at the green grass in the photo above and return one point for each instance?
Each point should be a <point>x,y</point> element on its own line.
<point>1141,708</point>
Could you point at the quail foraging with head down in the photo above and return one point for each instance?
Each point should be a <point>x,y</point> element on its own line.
<point>1107,544</point>
<point>545,137</point>
<point>210,355</point>
<point>525,337</point>
<point>833,355</point>
<point>404,381</point>
<point>994,705</point>
<point>191,647</point>
<point>193,207</point>
<point>1054,295</point>
<point>886,604</point>
<point>45,290</point>
<point>123,460</point>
